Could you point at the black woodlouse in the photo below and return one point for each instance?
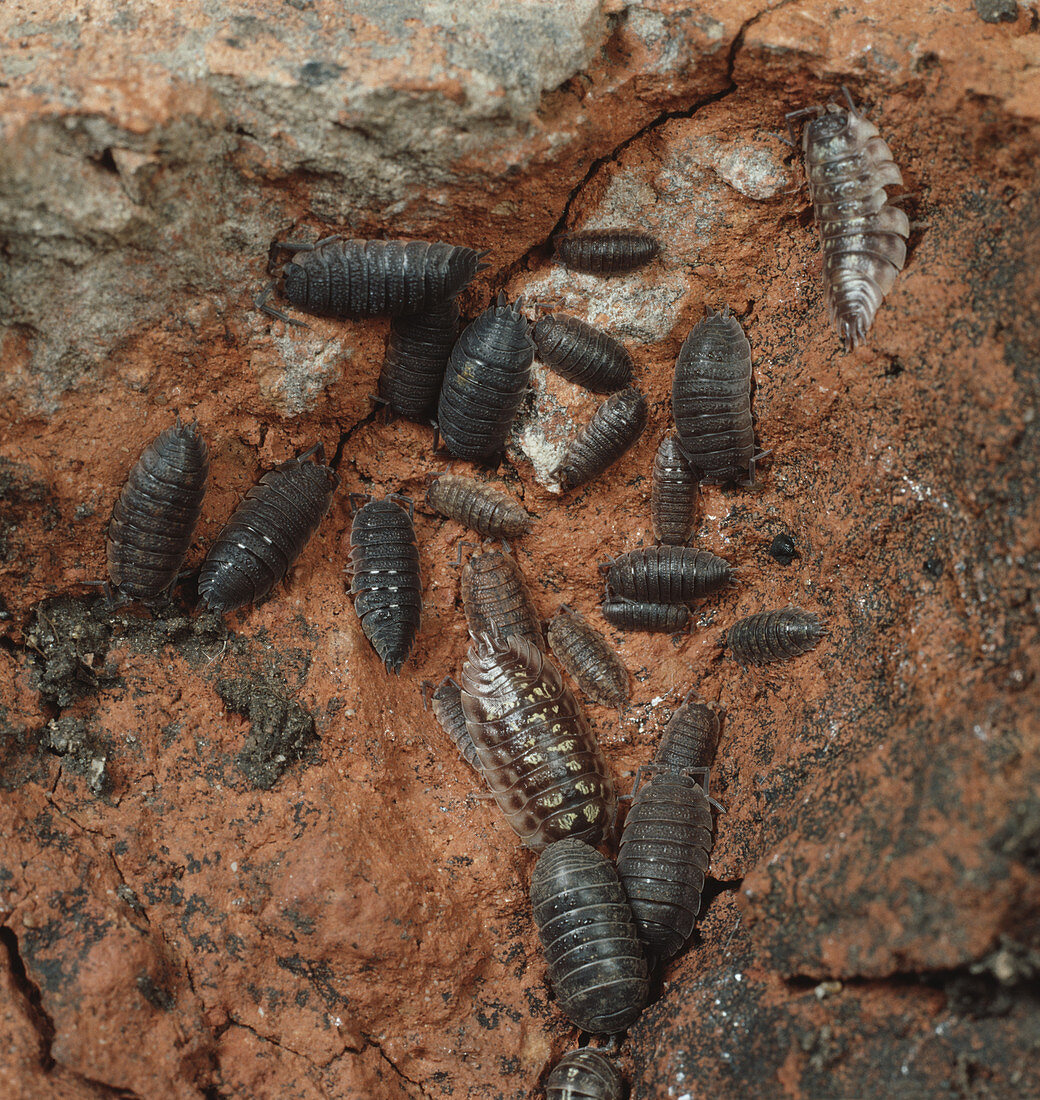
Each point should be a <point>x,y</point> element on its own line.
<point>416,358</point>
<point>690,739</point>
<point>667,574</point>
<point>154,518</point>
<point>267,532</point>
<point>582,353</point>
<point>487,376</point>
<point>447,709</point>
<point>774,636</point>
<point>783,549</point>
<point>592,952</point>
<point>540,758</point>
<point>496,598</point>
<point>863,237</point>
<point>480,507</point>
<point>711,400</point>
<point>606,251</point>
<point>350,278</point>
<point>674,493</point>
<point>589,658</point>
<point>385,581</point>
<point>584,1074</point>
<point>616,426</point>
<point>662,618</point>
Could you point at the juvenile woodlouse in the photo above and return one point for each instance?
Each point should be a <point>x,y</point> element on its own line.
<point>616,426</point>
<point>711,400</point>
<point>481,508</point>
<point>496,598</point>
<point>774,636</point>
<point>674,493</point>
<point>538,754</point>
<point>154,518</point>
<point>690,739</point>
<point>416,358</point>
<point>447,709</point>
<point>662,618</point>
<point>584,1074</point>
<point>267,532</point>
<point>487,376</point>
<point>783,549</point>
<point>582,353</point>
<point>606,251</point>
<point>592,951</point>
<point>350,279</point>
<point>863,237</point>
<point>385,583</point>
<point>667,574</point>
<point>589,658</point>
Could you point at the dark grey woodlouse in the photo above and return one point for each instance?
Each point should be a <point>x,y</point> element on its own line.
<point>385,581</point>
<point>154,518</point>
<point>674,494</point>
<point>446,702</point>
<point>589,658</point>
<point>539,757</point>
<point>783,549</point>
<point>416,358</point>
<point>662,618</point>
<point>863,237</point>
<point>774,636</point>
<point>690,739</point>
<point>267,532</point>
<point>606,251</point>
<point>616,426</point>
<point>480,507</point>
<point>487,376</point>
<point>711,401</point>
<point>667,574</point>
<point>350,279</point>
<point>584,1074</point>
<point>592,952</point>
<point>582,353</point>
<point>496,598</point>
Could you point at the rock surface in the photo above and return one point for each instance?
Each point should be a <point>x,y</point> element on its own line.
<point>252,853</point>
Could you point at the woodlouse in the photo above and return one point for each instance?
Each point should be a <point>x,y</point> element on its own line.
<point>616,426</point>
<point>606,251</point>
<point>496,598</point>
<point>447,709</point>
<point>711,400</point>
<point>416,358</point>
<point>487,376</point>
<point>774,636</point>
<point>674,493</point>
<point>538,754</point>
<point>863,237</point>
<point>582,353</point>
<point>267,532</point>
<point>667,574</point>
<point>783,549</point>
<point>584,1074</point>
<point>690,739</point>
<point>385,582</point>
<point>154,518</point>
<point>663,618</point>
<point>481,508</point>
<point>350,279</point>
<point>592,952</point>
<point>589,658</point>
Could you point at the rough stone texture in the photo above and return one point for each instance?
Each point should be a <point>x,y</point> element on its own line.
<point>277,880</point>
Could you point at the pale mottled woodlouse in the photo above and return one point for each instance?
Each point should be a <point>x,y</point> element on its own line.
<point>711,400</point>
<point>487,376</point>
<point>614,428</point>
<point>589,658</point>
<point>674,493</point>
<point>385,580</point>
<point>446,702</point>
<point>496,598</point>
<point>667,574</point>
<point>538,755</point>
<point>267,532</point>
<point>582,353</point>
<point>416,357</point>
<point>663,618</point>
<point>606,251</point>
<point>584,1074</point>
<point>774,636</point>
<point>481,508</point>
<point>154,517</point>
<point>592,952</point>
<point>863,237</point>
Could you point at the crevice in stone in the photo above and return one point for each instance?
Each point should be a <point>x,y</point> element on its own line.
<point>378,408</point>
<point>369,1041</point>
<point>34,1010</point>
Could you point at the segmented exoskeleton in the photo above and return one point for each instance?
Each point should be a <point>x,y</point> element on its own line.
<point>584,1074</point>
<point>662,618</point>
<point>606,251</point>
<point>582,353</point>
<point>447,709</point>
<point>690,739</point>
<point>589,658</point>
<point>675,490</point>
<point>496,598</point>
<point>478,506</point>
<point>416,358</point>
<point>774,636</point>
<point>615,427</point>
<point>666,574</point>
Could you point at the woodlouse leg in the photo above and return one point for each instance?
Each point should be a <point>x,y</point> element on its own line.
<point>400,498</point>
<point>260,301</point>
<point>458,554</point>
<point>317,451</point>
<point>817,109</point>
<point>423,687</point>
<point>352,497</point>
<point>848,98</point>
